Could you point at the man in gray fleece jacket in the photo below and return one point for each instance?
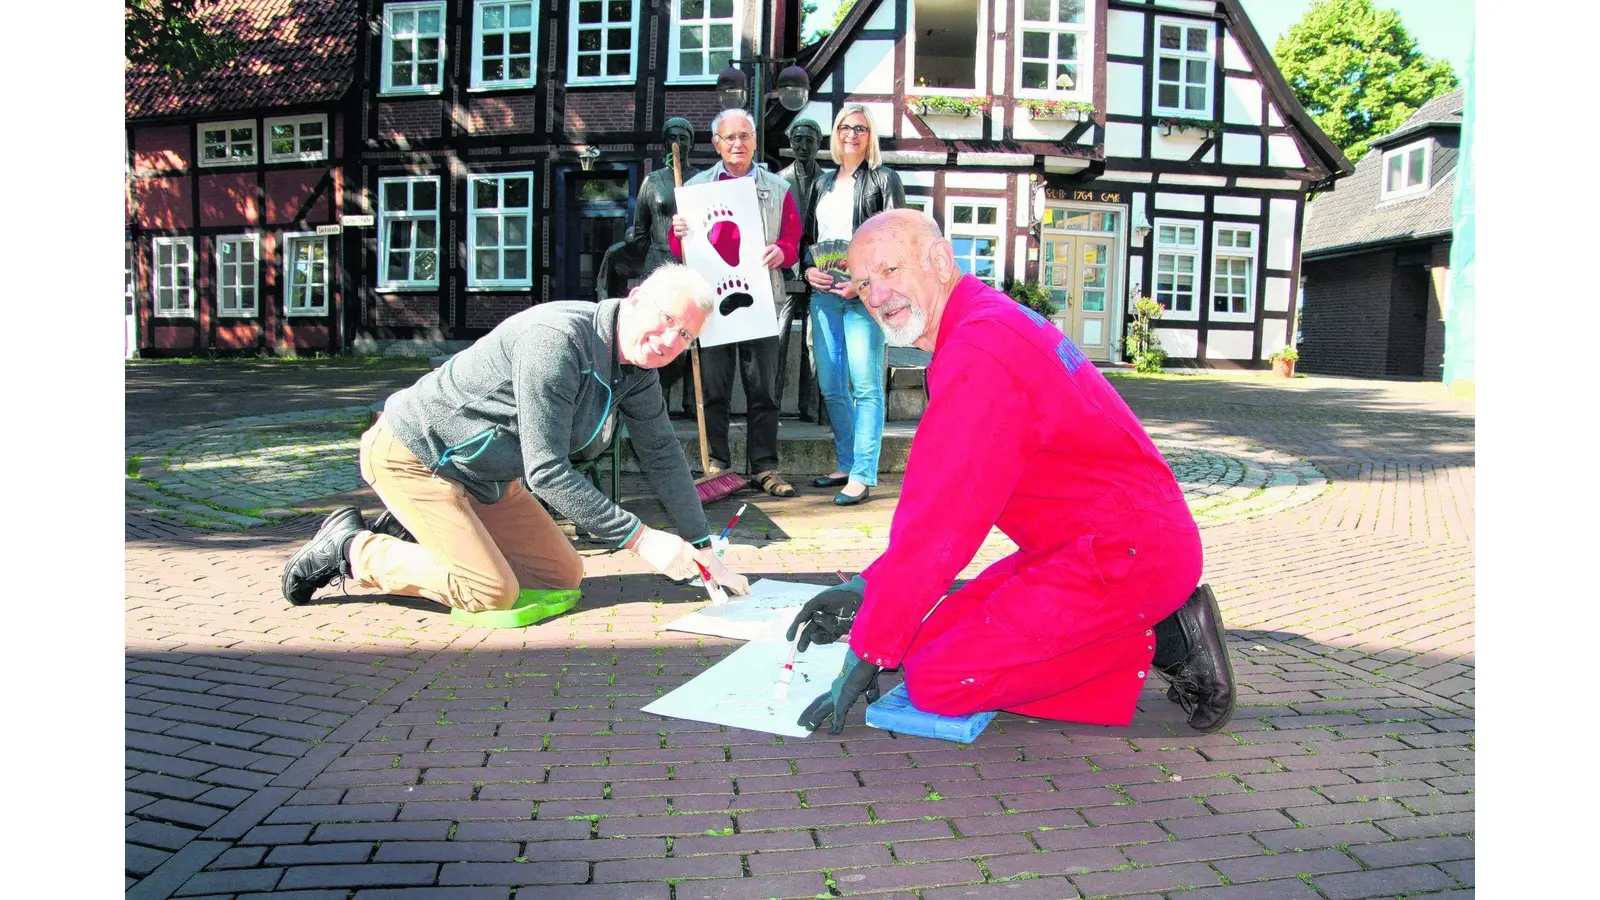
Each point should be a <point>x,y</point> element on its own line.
<point>455,456</point>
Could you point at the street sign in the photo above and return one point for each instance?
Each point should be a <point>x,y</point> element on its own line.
<point>328,229</point>
<point>356,221</point>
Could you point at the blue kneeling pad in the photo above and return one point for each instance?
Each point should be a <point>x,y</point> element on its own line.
<point>894,712</point>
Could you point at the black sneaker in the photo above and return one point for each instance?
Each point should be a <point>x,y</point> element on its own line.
<point>386,523</point>
<point>323,557</point>
<point>1202,683</point>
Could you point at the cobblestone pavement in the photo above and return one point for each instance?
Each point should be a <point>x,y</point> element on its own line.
<point>367,747</point>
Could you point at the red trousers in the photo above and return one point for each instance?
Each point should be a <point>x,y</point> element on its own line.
<point>1064,635</point>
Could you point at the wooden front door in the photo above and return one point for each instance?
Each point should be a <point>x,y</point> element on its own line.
<point>1076,270</point>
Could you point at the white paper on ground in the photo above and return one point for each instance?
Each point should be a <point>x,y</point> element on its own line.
<point>741,288</point>
<point>737,692</point>
<point>765,612</point>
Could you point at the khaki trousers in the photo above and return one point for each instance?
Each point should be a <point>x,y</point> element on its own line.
<point>469,555</point>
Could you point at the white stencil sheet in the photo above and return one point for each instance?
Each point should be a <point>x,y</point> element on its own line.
<point>743,307</point>
<point>738,692</point>
<point>763,613</point>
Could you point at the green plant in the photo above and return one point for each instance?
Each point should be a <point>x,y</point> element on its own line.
<point>937,104</point>
<point>1033,296</point>
<point>1287,354</point>
<point>1142,347</point>
<point>1182,123</point>
<point>1058,109</point>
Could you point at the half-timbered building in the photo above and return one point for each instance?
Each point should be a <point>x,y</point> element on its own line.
<point>234,185</point>
<point>1106,149</point>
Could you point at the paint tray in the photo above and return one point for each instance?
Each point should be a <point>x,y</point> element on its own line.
<point>531,607</point>
<point>894,712</point>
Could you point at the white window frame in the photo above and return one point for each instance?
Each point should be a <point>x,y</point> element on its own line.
<point>1183,56</point>
<point>387,87</point>
<point>228,142</point>
<point>606,27</point>
<point>1251,256</point>
<point>1084,88</point>
<point>981,62</point>
<point>995,230</point>
<point>477,32</point>
<point>1421,187</point>
<point>920,202</point>
<point>238,312</point>
<point>1159,249</point>
<point>473,281</point>
<point>386,215</point>
<point>289,282</point>
<point>128,266</point>
<point>187,311</point>
<point>674,76</point>
<point>297,154</point>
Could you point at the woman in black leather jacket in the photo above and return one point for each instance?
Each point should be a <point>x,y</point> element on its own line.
<point>848,342</point>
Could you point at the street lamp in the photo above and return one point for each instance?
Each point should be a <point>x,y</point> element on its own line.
<point>794,89</point>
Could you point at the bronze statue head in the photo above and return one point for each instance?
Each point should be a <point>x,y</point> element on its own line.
<point>805,138</point>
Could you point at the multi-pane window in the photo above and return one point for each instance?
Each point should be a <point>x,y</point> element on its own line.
<point>408,239</point>
<point>601,44</point>
<point>1177,263</point>
<point>1405,170</point>
<point>127,278</point>
<point>1233,272</point>
<point>704,37</point>
<point>413,48</point>
<point>975,238</point>
<point>297,138</point>
<point>238,259</point>
<point>1056,37</point>
<point>305,274</point>
<point>503,44</point>
<point>1185,52</point>
<point>172,276</point>
<point>228,143</point>
<point>499,236</point>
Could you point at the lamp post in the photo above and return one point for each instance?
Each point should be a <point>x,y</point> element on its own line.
<point>733,89</point>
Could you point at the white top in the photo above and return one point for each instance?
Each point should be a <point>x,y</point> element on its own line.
<point>836,209</point>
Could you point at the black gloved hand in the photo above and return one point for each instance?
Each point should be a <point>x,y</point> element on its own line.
<point>826,617</point>
<point>855,679</point>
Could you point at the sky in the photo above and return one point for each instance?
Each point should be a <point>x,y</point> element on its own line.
<point>1443,28</point>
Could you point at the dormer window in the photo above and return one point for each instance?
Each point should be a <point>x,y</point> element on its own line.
<point>1406,169</point>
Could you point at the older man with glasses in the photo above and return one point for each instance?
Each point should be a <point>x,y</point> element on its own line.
<point>733,135</point>
<point>463,457</point>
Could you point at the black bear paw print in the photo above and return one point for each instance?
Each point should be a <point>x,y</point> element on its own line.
<point>718,214</point>
<point>735,294</point>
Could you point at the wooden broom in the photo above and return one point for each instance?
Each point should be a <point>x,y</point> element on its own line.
<point>710,488</point>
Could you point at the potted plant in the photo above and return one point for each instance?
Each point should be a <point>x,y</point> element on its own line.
<point>1141,345</point>
<point>1033,296</point>
<point>1180,124</point>
<point>1283,362</point>
<point>1069,110</point>
<point>940,105</point>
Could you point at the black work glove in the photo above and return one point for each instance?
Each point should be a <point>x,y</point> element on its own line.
<point>855,679</point>
<point>827,616</point>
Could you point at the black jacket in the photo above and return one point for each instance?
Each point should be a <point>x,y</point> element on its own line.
<point>876,190</point>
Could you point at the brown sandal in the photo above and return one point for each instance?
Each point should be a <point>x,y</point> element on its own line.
<point>773,484</point>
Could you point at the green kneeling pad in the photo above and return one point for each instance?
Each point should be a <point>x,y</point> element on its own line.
<point>531,607</point>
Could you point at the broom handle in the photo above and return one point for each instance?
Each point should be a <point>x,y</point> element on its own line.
<point>694,349</point>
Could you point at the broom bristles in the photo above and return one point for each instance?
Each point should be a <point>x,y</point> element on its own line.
<point>715,488</point>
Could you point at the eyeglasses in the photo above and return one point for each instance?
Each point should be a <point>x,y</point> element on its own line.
<point>671,323</point>
<point>857,130</point>
<point>740,137</point>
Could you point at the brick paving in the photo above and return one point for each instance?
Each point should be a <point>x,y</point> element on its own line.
<point>367,747</point>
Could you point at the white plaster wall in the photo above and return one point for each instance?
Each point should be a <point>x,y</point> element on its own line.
<point>1241,149</point>
<point>914,178</point>
<point>869,68</point>
<point>994,159</point>
<point>1233,56</point>
<point>1019,257</point>
<point>1125,33</point>
<point>1180,342</point>
<point>1241,101</point>
<point>906,128</point>
<point>1023,203</point>
<point>882,114</point>
<point>1124,139</point>
<point>1269,184</point>
<point>1199,6</point>
<point>1280,233</point>
<point>884,17</point>
<point>1281,151</point>
<point>1124,89</point>
<point>1126,175</point>
<point>1185,178</point>
<point>819,111</point>
<point>1184,202</point>
<point>1273,118</point>
<point>1236,206</point>
<point>1274,336</point>
<point>1176,146</point>
<point>1276,296</point>
<point>993,181</point>
<point>1230,344</point>
<point>1136,274</point>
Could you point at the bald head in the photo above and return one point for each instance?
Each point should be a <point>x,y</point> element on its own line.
<point>904,271</point>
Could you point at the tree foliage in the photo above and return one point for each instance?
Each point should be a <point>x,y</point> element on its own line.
<point>171,36</point>
<point>808,9</point>
<point>1358,72</point>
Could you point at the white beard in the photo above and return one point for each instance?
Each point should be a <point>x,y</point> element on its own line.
<point>907,334</point>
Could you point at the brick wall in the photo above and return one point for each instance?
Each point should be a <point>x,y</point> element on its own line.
<point>489,310</point>
<point>410,118</point>
<point>503,115</point>
<point>403,310</point>
<point>598,111</point>
<point>1345,323</point>
<point>698,106</point>
<point>161,149</point>
<point>1433,351</point>
<point>1408,312</point>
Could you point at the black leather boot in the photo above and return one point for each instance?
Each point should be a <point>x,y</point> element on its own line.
<point>386,523</point>
<point>324,557</point>
<point>1192,655</point>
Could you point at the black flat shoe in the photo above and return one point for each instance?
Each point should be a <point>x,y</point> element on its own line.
<point>843,499</point>
<point>829,481</point>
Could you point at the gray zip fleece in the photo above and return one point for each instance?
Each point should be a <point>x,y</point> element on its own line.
<point>527,396</point>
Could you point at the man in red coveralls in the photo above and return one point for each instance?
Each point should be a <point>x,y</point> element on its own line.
<point>1021,432</point>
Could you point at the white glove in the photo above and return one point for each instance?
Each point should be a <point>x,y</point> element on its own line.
<point>666,553</point>
<point>731,581</point>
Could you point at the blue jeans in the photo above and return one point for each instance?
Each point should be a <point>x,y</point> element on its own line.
<point>849,349</point>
